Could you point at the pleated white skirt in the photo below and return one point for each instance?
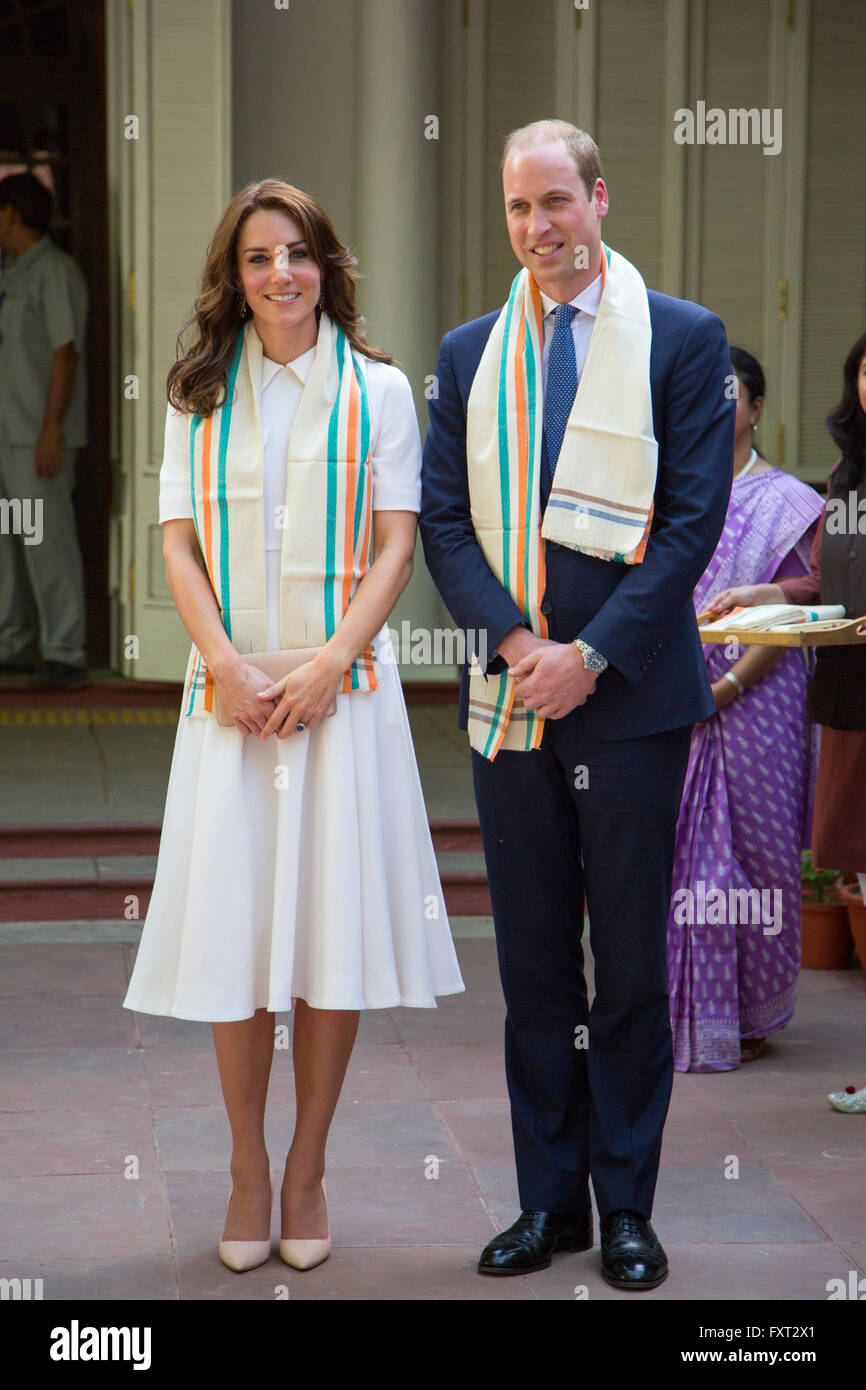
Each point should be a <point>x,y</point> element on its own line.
<point>296,868</point>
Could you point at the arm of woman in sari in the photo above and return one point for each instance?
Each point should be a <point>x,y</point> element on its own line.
<point>305,695</point>
<point>753,665</point>
<point>799,589</point>
<point>757,662</point>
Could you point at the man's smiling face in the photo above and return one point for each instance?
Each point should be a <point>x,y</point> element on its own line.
<point>549,217</point>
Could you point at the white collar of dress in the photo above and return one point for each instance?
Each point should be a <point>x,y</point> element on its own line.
<point>299,367</point>
<point>588,300</point>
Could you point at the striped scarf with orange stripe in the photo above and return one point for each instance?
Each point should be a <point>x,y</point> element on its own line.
<point>327,520</point>
<point>601,498</point>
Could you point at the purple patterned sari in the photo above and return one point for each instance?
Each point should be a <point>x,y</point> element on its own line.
<point>747,807</point>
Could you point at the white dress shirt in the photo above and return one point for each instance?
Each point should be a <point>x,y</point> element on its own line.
<point>582,324</point>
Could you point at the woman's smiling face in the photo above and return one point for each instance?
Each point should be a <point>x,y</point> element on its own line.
<point>281,281</point>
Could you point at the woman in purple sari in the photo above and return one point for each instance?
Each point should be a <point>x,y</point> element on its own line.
<point>733,959</point>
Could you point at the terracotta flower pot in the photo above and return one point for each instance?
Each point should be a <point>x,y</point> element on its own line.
<point>827,943</point>
<point>856,908</point>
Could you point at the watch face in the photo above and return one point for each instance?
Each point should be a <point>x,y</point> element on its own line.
<point>591,659</point>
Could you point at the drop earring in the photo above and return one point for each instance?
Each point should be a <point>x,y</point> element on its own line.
<point>242,303</point>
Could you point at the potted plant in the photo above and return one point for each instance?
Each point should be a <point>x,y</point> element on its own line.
<point>827,943</point>
<point>853,899</point>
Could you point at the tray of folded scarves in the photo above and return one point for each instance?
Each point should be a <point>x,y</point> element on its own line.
<point>783,625</point>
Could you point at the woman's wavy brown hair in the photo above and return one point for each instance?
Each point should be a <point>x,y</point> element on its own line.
<point>197,380</point>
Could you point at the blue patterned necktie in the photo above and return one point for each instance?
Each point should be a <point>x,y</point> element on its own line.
<point>561,383</point>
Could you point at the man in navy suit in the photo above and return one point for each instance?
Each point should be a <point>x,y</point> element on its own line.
<point>590,815</point>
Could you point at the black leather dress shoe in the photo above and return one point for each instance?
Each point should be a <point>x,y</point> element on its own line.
<point>60,673</point>
<point>632,1256</point>
<point>528,1245</point>
<point>17,666</point>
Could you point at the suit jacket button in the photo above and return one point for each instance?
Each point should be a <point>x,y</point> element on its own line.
<point>546,607</point>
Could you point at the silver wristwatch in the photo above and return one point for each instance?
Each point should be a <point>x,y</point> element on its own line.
<point>592,660</point>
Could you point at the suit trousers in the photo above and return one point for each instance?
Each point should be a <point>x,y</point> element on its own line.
<point>584,819</point>
<point>41,584</point>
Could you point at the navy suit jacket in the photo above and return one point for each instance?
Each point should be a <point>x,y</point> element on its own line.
<point>640,617</point>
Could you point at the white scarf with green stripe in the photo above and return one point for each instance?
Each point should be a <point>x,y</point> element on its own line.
<point>601,500</point>
<point>327,520</point>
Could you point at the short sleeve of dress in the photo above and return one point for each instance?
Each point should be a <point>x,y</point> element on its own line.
<point>396,440</point>
<point>174,493</point>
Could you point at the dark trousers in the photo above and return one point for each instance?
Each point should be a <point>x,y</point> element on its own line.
<point>593,1107</point>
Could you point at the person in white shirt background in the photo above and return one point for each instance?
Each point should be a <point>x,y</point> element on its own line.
<point>43,316</point>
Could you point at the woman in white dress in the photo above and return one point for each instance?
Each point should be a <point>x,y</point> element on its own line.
<point>295,865</point>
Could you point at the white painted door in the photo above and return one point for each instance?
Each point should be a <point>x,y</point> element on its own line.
<point>169,157</point>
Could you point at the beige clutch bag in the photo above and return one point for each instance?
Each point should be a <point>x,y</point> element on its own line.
<point>276,665</point>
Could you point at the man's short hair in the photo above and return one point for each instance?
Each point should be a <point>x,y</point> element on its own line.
<point>581,147</point>
<point>31,199</point>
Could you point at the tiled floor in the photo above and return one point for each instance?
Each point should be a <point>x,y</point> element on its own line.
<point>113,1163</point>
<point>98,772</point>
<point>113,1175</point>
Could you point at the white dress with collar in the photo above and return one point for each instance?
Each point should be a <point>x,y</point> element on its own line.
<point>300,867</point>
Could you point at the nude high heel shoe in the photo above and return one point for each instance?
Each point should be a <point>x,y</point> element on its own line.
<point>306,1254</point>
<point>241,1255</point>
<point>244,1254</point>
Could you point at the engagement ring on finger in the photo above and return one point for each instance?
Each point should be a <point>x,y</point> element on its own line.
<point>300,726</point>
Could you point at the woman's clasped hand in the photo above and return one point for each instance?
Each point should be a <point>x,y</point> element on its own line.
<point>261,706</point>
<point>305,695</point>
